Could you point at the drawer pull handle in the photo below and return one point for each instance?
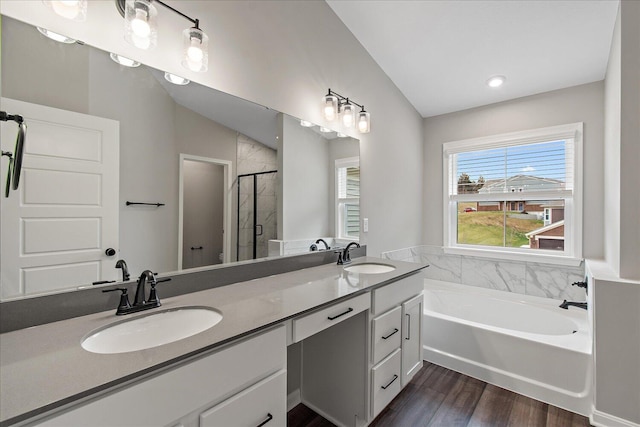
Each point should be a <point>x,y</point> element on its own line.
<point>395,331</point>
<point>408,337</point>
<point>395,377</point>
<point>269,418</point>
<point>341,314</point>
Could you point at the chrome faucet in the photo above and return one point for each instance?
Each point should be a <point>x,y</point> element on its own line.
<point>125,270</point>
<point>344,257</point>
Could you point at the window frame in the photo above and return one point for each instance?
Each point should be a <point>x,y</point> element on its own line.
<point>340,203</point>
<point>573,198</point>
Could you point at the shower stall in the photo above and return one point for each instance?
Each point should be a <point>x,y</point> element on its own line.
<point>257,214</point>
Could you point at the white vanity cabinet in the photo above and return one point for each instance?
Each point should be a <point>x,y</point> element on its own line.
<point>395,339</point>
<point>241,384</point>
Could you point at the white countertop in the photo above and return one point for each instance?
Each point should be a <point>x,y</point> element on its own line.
<point>45,367</point>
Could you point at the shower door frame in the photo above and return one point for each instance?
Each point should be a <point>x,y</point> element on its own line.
<point>255,212</point>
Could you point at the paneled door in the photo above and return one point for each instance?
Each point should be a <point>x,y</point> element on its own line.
<point>58,226</point>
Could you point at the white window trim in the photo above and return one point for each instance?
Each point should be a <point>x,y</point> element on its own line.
<point>572,255</point>
<point>339,229</point>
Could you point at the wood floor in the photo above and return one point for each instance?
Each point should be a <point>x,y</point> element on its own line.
<point>440,397</point>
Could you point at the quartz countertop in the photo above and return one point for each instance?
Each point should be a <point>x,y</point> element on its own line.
<point>45,367</point>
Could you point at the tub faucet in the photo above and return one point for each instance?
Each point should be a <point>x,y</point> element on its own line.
<point>125,270</point>
<point>565,304</point>
<point>326,247</point>
<point>346,256</point>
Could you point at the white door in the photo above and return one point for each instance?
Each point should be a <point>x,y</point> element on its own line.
<point>57,226</point>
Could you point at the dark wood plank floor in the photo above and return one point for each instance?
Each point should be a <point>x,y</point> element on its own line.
<point>440,397</point>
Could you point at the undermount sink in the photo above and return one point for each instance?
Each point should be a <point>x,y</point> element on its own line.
<point>369,268</point>
<point>152,330</point>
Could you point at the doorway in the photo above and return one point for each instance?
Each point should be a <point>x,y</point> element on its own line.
<point>203,237</point>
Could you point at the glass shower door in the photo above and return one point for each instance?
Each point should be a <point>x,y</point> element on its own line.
<point>257,214</point>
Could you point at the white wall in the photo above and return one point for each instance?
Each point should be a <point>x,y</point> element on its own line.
<point>582,103</point>
<point>285,55</point>
<point>306,209</point>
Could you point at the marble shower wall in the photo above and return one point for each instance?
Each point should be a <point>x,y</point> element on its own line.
<point>529,278</point>
<point>255,157</point>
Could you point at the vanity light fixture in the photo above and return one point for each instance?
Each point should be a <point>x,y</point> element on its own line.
<point>140,17</point>
<point>55,36</point>
<point>176,80</point>
<point>335,104</point>
<point>124,61</point>
<point>76,10</point>
<point>496,81</point>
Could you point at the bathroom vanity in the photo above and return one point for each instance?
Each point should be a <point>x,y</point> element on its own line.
<point>359,336</point>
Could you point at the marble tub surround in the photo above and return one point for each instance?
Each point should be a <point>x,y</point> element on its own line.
<point>44,367</point>
<point>528,278</point>
<point>293,247</point>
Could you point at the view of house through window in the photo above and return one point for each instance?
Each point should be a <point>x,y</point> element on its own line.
<point>348,198</point>
<point>511,194</point>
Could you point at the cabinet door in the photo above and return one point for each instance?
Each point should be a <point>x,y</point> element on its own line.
<point>411,338</point>
<point>263,404</point>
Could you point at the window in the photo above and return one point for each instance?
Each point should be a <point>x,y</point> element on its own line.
<point>518,194</point>
<point>348,198</point>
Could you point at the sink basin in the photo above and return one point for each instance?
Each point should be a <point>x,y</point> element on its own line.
<point>369,268</point>
<point>152,330</point>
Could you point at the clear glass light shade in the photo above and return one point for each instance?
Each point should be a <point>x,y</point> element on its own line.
<point>140,26</point>
<point>330,107</point>
<point>364,122</point>
<point>176,80</point>
<point>55,36</point>
<point>75,10</point>
<point>195,50</point>
<point>124,61</point>
<point>348,115</point>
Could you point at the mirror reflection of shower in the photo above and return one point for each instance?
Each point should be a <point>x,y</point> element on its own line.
<point>15,158</point>
<point>257,214</point>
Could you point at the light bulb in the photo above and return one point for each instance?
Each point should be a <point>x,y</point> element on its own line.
<point>140,27</point>
<point>364,122</point>
<point>75,10</point>
<point>348,115</point>
<point>330,107</point>
<point>195,46</point>
<point>139,24</point>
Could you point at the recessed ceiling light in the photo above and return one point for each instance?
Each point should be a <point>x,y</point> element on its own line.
<point>124,60</point>
<point>55,36</point>
<point>305,123</point>
<point>496,81</point>
<point>176,80</point>
<point>325,130</point>
<point>341,135</point>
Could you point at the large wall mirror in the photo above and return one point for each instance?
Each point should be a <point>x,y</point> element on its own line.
<point>168,176</point>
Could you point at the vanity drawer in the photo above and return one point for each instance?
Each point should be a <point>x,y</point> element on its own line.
<point>394,294</point>
<point>320,320</point>
<point>263,404</point>
<point>385,380</point>
<point>386,334</point>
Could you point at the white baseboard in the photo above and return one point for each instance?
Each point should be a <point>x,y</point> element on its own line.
<point>293,399</point>
<point>602,419</point>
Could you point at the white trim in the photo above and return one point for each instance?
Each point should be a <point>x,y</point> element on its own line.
<point>294,399</point>
<point>602,419</point>
<point>546,228</point>
<point>347,162</point>
<point>568,131</point>
<point>572,253</point>
<point>226,209</point>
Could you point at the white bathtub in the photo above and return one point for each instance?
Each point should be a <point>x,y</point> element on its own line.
<point>518,342</point>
